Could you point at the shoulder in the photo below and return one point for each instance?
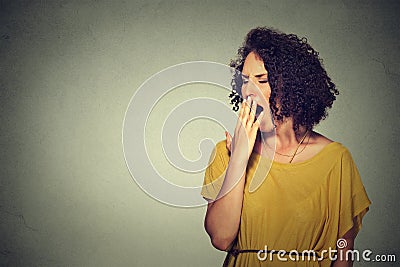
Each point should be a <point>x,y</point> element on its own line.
<point>220,152</point>
<point>320,143</point>
<point>221,145</point>
<point>318,140</point>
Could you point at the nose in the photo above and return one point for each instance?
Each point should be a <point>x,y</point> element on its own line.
<point>249,89</point>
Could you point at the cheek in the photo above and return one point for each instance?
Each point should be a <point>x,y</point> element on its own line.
<point>266,92</point>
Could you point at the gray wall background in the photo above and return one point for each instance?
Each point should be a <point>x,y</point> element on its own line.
<point>68,70</point>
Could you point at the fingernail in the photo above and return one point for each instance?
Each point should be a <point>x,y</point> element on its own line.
<point>248,98</point>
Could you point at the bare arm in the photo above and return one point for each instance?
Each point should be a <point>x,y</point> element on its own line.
<point>223,215</point>
<point>345,259</point>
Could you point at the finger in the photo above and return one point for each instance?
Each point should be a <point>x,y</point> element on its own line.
<point>241,111</point>
<point>240,118</point>
<point>246,110</point>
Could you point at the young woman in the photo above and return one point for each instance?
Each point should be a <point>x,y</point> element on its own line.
<point>313,195</point>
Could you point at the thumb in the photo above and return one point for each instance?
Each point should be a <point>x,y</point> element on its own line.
<point>228,140</point>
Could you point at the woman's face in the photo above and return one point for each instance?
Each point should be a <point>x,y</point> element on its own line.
<point>256,85</point>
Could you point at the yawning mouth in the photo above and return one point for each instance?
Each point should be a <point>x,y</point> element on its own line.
<point>258,110</point>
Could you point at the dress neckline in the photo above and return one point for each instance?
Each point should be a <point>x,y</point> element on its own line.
<point>315,157</point>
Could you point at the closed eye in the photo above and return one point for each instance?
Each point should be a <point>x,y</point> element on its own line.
<point>245,79</point>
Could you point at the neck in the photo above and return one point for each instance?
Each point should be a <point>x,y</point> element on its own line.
<point>285,136</point>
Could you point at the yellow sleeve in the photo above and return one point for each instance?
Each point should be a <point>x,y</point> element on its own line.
<point>354,202</point>
<point>215,172</point>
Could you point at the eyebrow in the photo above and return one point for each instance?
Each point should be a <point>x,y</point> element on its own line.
<point>257,75</point>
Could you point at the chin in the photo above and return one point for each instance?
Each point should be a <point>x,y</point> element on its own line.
<point>267,127</point>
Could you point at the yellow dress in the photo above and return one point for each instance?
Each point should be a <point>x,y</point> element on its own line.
<point>305,206</point>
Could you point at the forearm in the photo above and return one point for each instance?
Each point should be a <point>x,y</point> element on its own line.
<point>342,264</point>
<point>344,258</point>
<point>223,215</point>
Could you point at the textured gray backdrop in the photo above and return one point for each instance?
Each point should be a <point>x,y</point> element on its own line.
<point>68,70</point>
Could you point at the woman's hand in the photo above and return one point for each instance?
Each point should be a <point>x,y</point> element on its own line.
<point>245,131</point>
<point>223,215</point>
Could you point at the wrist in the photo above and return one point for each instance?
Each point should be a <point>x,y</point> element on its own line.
<point>238,160</point>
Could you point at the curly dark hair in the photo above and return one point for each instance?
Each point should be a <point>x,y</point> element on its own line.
<point>295,73</point>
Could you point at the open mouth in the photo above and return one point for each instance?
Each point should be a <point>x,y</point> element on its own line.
<point>258,110</point>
